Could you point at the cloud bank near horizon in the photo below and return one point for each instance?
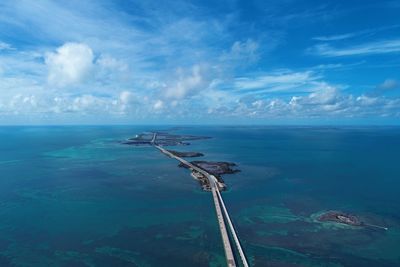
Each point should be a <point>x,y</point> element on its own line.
<point>133,62</point>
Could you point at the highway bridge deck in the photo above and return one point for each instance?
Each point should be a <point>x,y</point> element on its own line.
<point>218,201</point>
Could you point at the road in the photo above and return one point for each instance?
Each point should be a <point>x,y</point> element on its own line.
<point>217,200</point>
<point>235,237</point>
<point>153,139</point>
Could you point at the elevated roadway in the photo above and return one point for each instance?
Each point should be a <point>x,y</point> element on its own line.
<point>218,201</point>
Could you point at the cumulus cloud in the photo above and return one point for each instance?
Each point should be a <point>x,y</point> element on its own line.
<point>130,74</point>
<point>5,46</point>
<point>70,64</point>
<point>91,104</point>
<point>326,95</point>
<point>389,84</point>
<point>187,83</point>
<point>127,100</point>
<point>23,103</point>
<point>159,104</point>
<point>242,53</point>
<point>327,102</point>
<point>109,62</point>
<point>126,97</point>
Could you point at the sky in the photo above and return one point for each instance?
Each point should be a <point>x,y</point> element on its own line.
<point>200,62</point>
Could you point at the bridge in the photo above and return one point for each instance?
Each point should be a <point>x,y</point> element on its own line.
<point>218,202</point>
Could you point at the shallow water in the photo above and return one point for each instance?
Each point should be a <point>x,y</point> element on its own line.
<point>74,196</point>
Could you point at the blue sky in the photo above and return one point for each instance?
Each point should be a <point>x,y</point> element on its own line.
<point>199,62</point>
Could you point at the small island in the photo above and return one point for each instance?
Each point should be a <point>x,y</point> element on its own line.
<point>340,217</point>
<point>162,139</point>
<point>186,154</point>
<point>216,168</point>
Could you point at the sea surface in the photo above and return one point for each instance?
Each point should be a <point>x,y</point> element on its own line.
<point>76,196</point>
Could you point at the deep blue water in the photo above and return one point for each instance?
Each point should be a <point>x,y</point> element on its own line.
<point>75,196</point>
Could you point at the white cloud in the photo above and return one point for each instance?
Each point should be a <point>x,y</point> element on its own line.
<point>335,37</point>
<point>70,64</point>
<point>22,103</point>
<point>345,36</point>
<point>380,47</point>
<point>126,97</point>
<point>364,100</point>
<point>128,101</point>
<point>5,46</point>
<point>130,74</point>
<point>326,95</point>
<point>159,104</point>
<point>326,101</point>
<point>242,53</point>
<point>276,82</point>
<point>108,62</point>
<point>88,103</point>
<point>187,83</point>
<point>389,84</point>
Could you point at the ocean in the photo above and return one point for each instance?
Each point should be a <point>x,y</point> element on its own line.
<point>76,196</point>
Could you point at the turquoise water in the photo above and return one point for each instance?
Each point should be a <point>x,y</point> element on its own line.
<point>74,196</point>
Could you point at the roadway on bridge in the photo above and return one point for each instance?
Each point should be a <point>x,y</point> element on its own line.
<point>217,199</point>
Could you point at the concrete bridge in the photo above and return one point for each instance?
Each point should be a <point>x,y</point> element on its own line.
<point>218,202</point>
